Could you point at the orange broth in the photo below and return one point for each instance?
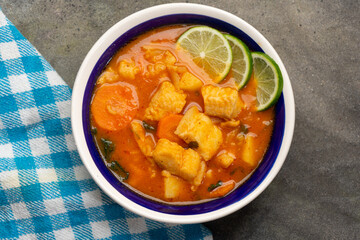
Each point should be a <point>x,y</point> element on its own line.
<point>145,177</point>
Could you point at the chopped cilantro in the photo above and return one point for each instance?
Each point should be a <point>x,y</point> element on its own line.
<point>109,147</point>
<point>94,131</point>
<point>244,128</point>
<point>122,173</point>
<point>213,186</point>
<point>193,144</point>
<point>148,127</point>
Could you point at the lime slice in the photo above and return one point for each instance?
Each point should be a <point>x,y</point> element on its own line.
<point>269,80</point>
<point>209,49</point>
<point>242,61</point>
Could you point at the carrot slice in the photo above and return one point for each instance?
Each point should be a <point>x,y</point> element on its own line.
<point>167,126</point>
<point>114,106</point>
<point>223,189</point>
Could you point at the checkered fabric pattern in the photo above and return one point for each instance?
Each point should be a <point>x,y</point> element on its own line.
<point>45,190</point>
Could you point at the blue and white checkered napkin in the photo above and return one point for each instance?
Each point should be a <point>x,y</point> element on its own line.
<point>45,190</point>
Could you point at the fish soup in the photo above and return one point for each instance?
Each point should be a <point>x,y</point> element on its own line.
<point>169,132</point>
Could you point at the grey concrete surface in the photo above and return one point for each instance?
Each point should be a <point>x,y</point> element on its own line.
<point>316,195</point>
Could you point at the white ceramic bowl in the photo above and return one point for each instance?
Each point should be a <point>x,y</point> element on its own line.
<point>100,54</point>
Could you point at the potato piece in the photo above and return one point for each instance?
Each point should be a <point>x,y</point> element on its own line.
<point>198,127</point>
<point>167,100</point>
<point>199,177</point>
<point>225,159</point>
<point>108,76</point>
<point>145,143</point>
<point>221,102</point>
<point>189,82</point>
<point>248,154</point>
<point>175,159</point>
<point>190,165</point>
<point>172,185</point>
<point>128,69</point>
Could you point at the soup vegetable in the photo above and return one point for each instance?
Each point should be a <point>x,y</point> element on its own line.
<point>184,113</point>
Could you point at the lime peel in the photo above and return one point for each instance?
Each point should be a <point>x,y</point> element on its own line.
<point>242,64</point>
<point>269,80</point>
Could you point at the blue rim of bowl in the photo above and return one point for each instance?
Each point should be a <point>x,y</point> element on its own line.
<point>243,190</point>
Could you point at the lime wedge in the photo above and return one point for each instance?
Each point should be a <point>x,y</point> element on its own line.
<point>242,61</point>
<point>209,49</point>
<point>269,80</point>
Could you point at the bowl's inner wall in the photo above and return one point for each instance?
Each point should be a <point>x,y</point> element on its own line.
<point>257,177</point>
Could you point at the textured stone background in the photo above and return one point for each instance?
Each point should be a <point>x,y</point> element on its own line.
<point>316,195</point>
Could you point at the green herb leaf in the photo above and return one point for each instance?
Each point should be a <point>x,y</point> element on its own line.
<point>109,147</point>
<point>148,127</point>
<point>94,131</point>
<point>213,186</point>
<point>122,173</point>
<point>244,128</point>
<point>236,169</point>
<point>193,144</point>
